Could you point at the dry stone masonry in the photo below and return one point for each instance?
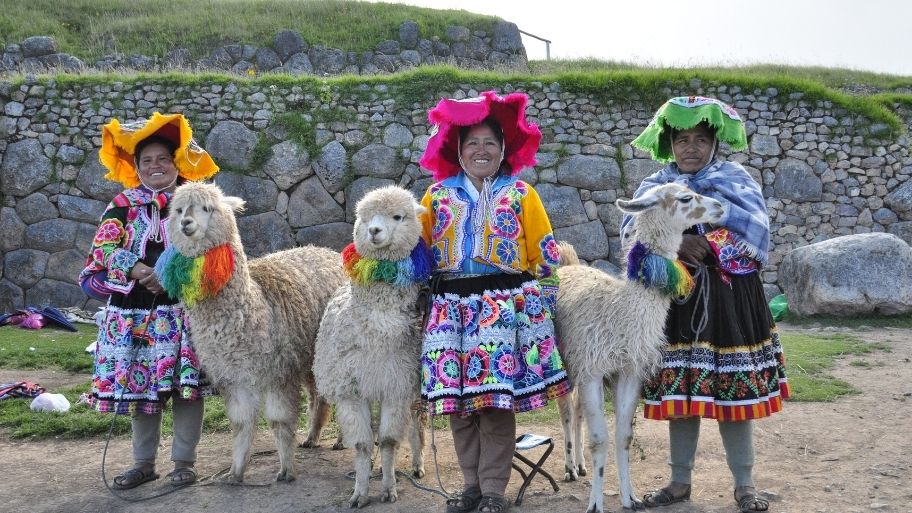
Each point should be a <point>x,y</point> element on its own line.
<point>302,155</point>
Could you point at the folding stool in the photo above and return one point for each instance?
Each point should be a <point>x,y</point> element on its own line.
<point>523,443</point>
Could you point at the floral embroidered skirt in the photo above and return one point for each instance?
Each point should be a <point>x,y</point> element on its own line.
<point>489,343</point>
<point>143,356</point>
<point>734,371</point>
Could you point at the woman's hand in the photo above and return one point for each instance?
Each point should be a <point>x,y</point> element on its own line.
<point>694,249</point>
<point>146,277</point>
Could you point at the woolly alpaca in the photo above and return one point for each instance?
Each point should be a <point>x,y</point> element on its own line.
<point>370,337</point>
<point>254,323</point>
<point>613,330</point>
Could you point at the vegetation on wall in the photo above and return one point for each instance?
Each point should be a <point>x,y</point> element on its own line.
<point>90,29</point>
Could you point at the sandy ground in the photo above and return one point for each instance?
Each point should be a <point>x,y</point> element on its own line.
<point>852,455</point>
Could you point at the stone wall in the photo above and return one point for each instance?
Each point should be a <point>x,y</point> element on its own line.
<point>302,155</point>
<point>501,49</point>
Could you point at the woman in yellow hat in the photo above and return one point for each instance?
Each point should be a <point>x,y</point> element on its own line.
<point>143,354</point>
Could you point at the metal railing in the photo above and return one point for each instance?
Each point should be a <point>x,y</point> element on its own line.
<point>547,43</point>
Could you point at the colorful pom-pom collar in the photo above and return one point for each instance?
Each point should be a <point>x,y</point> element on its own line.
<point>416,268</point>
<point>192,280</point>
<point>670,277</point>
<point>684,113</point>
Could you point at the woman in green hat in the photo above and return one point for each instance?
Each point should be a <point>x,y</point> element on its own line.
<point>723,359</point>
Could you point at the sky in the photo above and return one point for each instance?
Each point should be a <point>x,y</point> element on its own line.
<point>870,35</point>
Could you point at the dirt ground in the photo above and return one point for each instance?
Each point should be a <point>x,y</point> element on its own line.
<point>851,455</point>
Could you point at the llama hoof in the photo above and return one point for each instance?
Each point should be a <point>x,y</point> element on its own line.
<point>358,501</point>
<point>570,475</point>
<point>593,509</point>
<point>309,444</point>
<point>285,476</point>
<point>418,473</point>
<point>232,478</point>
<point>338,446</point>
<point>581,471</point>
<point>389,495</point>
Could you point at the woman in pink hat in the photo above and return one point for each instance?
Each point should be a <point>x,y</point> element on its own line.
<point>489,348</point>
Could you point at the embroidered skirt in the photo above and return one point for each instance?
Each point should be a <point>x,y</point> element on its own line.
<point>489,343</point>
<point>142,355</point>
<point>736,368</point>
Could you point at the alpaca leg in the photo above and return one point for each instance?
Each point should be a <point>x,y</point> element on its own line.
<point>419,420</point>
<point>566,407</point>
<point>592,397</point>
<point>394,418</point>
<point>355,420</point>
<point>626,395</point>
<point>578,436</point>
<point>241,406</point>
<point>318,412</point>
<point>282,409</point>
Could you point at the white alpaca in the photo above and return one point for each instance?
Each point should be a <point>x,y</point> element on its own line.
<point>255,335</point>
<point>613,330</point>
<point>370,337</point>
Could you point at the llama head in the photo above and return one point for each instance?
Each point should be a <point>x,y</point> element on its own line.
<point>387,226</point>
<point>663,214</point>
<point>202,217</point>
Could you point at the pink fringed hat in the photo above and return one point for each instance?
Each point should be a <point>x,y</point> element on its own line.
<point>521,139</point>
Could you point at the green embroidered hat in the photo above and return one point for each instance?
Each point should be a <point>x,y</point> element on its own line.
<point>686,112</point>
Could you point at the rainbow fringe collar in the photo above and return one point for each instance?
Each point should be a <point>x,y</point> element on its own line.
<point>193,279</point>
<point>655,271</point>
<point>416,268</point>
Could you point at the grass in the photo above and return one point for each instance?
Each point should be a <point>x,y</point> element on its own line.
<point>90,29</point>
<point>47,347</point>
<point>853,322</point>
<point>809,358</point>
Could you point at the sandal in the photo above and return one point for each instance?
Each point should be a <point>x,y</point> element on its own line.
<point>664,497</point>
<point>133,478</point>
<point>493,504</point>
<point>182,476</point>
<point>464,502</point>
<point>750,501</point>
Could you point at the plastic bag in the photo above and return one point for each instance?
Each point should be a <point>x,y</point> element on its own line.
<point>50,402</point>
<point>779,307</point>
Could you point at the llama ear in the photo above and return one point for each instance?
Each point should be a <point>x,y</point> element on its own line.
<point>638,205</point>
<point>419,210</point>
<point>235,203</point>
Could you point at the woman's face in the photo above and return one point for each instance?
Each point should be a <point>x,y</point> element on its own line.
<point>693,148</point>
<point>480,152</point>
<point>156,167</point>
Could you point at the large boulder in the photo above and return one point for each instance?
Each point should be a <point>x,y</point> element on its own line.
<point>795,180</point>
<point>851,275</point>
<point>563,205</point>
<point>25,168</point>
<point>260,194</point>
<point>589,172</point>
<point>264,233</point>
<point>288,165</point>
<point>231,145</point>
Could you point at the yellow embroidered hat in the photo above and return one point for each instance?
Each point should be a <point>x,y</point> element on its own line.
<point>119,140</point>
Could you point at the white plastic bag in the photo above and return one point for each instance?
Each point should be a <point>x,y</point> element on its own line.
<point>50,402</point>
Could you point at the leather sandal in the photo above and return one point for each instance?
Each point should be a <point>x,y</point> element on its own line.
<point>133,478</point>
<point>493,504</point>
<point>750,501</point>
<point>464,502</point>
<point>664,497</point>
<point>182,476</point>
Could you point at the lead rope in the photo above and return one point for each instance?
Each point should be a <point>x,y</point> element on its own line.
<point>701,291</point>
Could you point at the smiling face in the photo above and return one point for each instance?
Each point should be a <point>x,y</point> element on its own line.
<point>693,148</point>
<point>155,165</point>
<point>480,153</point>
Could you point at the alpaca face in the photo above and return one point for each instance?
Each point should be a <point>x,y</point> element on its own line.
<point>387,226</point>
<point>680,207</point>
<point>202,217</point>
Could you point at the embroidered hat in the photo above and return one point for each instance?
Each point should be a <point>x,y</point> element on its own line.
<point>119,140</point>
<point>521,139</point>
<point>684,113</point>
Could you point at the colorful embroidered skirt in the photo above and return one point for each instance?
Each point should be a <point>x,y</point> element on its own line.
<point>138,362</point>
<point>489,343</point>
<point>735,371</point>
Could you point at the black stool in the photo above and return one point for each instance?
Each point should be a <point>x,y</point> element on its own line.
<point>524,443</point>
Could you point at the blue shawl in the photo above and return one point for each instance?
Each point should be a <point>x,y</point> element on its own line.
<point>745,208</point>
